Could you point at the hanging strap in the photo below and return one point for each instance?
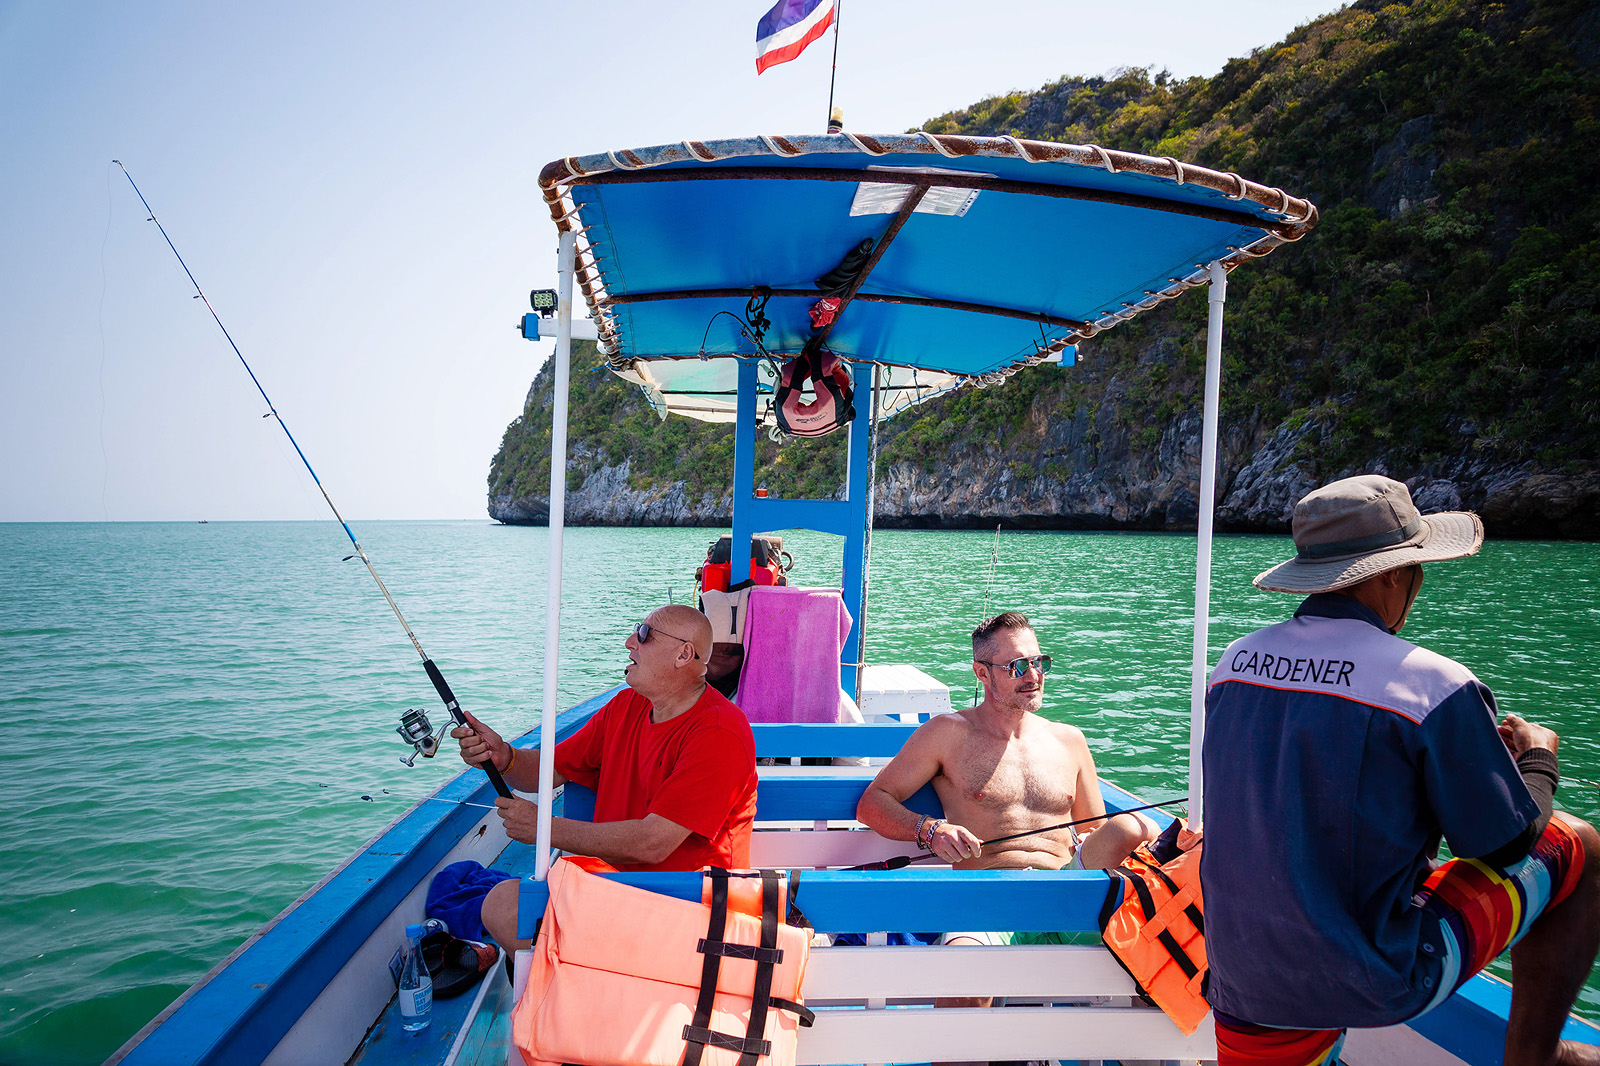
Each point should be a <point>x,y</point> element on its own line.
<point>761,998</point>
<point>696,1034</point>
<point>804,367</point>
<point>1113,899</point>
<point>800,1010</point>
<point>795,916</point>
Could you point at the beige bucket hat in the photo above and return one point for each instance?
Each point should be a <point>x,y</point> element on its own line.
<point>1350,530</point>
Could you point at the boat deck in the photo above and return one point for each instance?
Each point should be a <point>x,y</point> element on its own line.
<point>470,1030</point>
<point>475,1028</point>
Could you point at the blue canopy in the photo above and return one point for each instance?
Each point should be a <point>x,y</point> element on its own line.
<point>986,254</point>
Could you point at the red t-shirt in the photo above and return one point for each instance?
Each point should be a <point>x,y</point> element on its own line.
<point>698,770</point>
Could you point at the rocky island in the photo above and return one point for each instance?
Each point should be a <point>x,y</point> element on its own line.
<point>1441,325</point>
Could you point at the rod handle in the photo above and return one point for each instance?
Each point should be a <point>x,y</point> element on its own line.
<point>450,704</point>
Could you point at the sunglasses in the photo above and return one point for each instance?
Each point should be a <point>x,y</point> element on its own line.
<point>1019,667</point>
<point>642,631</point>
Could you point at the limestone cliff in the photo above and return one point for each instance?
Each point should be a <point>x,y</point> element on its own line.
<point>1066,466</point>
<point>1441,324</point>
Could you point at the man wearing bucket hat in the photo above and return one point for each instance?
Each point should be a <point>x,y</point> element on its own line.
<point>1336,757</point>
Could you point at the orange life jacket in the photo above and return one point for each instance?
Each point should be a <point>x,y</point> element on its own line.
<point>621,976</point>
<point>834,393</point>
<point>1155,927</point>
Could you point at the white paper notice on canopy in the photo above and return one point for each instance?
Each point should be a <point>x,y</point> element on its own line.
<point>884,198</point>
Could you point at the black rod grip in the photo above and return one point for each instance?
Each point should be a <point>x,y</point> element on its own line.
<point>454,708</point>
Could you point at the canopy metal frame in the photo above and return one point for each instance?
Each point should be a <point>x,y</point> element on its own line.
<point>1228,198</point>
<point>1279,216</point>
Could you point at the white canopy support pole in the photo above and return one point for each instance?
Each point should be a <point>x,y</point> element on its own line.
<point>558,517</point>
<point>1218,291</point>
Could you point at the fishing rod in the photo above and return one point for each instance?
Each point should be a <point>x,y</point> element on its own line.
<point>414,725</point>
<point>898,862</point>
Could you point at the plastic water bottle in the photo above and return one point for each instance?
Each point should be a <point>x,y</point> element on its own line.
<point>416,987</point>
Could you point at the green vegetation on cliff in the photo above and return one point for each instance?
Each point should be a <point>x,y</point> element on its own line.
<point>1448,298</point>
<point>609,422</point>
<point>1445,307</point>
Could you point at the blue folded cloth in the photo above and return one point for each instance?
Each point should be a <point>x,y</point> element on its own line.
<point>456,897</point>
<point>899,939</point>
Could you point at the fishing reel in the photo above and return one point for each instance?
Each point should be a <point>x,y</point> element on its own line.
<point>416,730</point>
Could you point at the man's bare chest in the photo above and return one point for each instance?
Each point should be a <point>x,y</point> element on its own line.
<point>1039,778</point>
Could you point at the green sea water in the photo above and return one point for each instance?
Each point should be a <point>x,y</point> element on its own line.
<point>201,716</point>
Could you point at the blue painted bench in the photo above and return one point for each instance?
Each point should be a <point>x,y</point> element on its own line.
<point>823,796</point>
<point>949,899</point>
<point>870,740</point>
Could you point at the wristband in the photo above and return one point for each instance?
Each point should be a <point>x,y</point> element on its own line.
<point>509,761</point>
<point>917,836</point>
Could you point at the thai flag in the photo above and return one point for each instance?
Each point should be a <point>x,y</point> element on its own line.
<point>783,33</point>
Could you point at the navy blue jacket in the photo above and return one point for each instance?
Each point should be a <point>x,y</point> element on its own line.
<point>1336,755</point>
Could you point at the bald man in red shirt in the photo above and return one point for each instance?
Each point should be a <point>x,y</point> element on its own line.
<point>671,761</point>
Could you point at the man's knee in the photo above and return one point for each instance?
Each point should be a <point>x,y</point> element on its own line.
<point>1589,839</point>
<point>963,940</point>
<point>1115,840</point>
<point>1586,834</point>
<point>500,912</point>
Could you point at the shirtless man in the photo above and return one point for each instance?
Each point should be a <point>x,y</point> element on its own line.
<point>999,768</point>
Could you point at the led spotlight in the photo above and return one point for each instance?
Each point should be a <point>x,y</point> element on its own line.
<point>543,301</point>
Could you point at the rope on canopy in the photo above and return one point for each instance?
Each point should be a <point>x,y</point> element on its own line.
<point>623,299</point>
<point>1280,216</point>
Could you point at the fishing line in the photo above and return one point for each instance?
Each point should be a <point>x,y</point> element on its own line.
<point>900,861</point>
<point>105,458</point>
<point>374,795</point>
<point>439,683</point>
<point>994,555</point>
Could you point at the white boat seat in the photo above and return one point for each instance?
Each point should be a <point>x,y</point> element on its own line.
<point>876,1003</point>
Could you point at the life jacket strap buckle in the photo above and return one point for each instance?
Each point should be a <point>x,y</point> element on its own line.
<point>747,952</point>
<point>743,1045</point>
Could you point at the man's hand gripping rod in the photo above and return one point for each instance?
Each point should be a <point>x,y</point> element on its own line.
<point>454,708</point>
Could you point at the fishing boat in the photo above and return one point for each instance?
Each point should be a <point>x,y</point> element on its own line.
<point>950,262</point>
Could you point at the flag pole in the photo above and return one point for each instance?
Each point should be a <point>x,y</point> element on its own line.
<point>838,15</point>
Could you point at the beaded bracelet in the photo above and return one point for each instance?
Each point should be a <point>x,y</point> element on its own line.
<point>918,834</point>
<point>509,761</point>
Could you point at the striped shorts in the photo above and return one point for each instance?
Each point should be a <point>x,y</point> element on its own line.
<point>1481,911</point>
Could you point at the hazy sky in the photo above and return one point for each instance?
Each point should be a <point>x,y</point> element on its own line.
<point>354,187</point>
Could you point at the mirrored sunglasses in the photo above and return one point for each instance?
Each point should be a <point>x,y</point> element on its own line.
<point>1019,667</point>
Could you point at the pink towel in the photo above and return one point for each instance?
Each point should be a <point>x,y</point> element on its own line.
<point>792,640</point>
